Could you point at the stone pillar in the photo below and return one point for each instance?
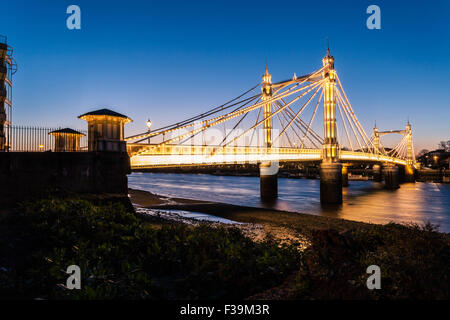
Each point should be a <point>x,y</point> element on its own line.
<point>377,173</point>
<point>268,181</point>
<point>345,175</point>
<point>331,183</point>
<point>106,130</point>
<point>391,179</point>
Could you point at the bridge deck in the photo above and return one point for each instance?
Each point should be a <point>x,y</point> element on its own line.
<point>166,155</point>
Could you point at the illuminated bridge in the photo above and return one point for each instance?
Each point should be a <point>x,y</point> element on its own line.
<point>278,121</point>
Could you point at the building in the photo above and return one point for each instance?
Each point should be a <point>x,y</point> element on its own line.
<point>7,68</point>
<point>106,130</point>
<point>435,159</point>
<point>66,140</point>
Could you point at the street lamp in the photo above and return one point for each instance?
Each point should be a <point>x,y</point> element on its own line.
<point>149,125</point>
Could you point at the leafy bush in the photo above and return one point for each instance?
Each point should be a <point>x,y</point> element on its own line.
<point>414,263</point>
<point>121,256</point>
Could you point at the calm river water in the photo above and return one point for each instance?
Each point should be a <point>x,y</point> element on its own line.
<point>363,200</point>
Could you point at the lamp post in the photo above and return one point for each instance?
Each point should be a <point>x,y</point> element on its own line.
<point>149,125</point>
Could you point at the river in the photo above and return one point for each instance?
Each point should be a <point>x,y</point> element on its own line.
<point>365,201</point>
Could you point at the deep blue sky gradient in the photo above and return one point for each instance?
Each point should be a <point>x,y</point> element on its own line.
<point>169,60</point>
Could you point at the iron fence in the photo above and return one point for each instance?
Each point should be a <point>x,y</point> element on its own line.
<point>33,139</point>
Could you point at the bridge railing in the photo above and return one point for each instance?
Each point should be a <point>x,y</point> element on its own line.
<point>371,157</point>
<point>39,139</point>
<point>205,155</point>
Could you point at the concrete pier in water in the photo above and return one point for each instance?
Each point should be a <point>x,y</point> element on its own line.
<point>391,176</point>
<point>345,175</point>
<point>410,174</point>
<point>268,175</point>
<point>331,183</point>
<point>377,176</point>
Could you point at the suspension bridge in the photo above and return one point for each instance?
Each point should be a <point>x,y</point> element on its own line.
<point>280,122</point>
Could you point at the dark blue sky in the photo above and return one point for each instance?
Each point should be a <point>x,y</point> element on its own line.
<point>171,60</point>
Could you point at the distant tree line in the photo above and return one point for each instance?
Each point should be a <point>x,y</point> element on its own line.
<point>442,145</point>
<point>445,145</point>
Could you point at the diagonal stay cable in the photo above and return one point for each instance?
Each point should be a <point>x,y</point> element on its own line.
<point>298,113</point>
<point>312,118</point>
<point>276,112</point>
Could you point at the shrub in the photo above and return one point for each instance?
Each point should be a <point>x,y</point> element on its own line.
<point>414,263</point>
<point>121,256</point>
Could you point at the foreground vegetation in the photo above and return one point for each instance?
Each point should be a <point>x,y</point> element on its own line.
<point>123,257</point>
<point>414,263</point>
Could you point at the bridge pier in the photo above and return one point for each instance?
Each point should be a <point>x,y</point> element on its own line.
<point>410,174</point>
<point>391,176</point>
<point>377,176</point>
<point>331,183</point>
<point>345,175</point>
<point>268,181</point>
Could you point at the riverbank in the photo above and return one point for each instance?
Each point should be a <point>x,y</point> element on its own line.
<point>279,223</point>
<point>335,253</point>
<point>260,254</point>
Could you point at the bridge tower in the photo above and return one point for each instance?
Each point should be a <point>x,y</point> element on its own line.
<point>376,139</point>
<point>330,168</point>
<point>267,108</point>
<point>268,170</point>
<point>376,168</point>
<point>409,169</point>
<point>409,154</point>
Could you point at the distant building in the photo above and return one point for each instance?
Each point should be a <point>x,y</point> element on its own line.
<point>7,68</point>
<point>435,159</point>
<point>66,139</point>
<point>106,130</point>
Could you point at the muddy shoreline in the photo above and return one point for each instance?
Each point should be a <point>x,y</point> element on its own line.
<point>283,225</point>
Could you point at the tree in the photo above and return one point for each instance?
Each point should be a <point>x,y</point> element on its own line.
<point>422,152</point>
<point>444,145</point>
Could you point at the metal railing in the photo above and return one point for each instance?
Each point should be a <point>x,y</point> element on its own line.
<point>35,139</point>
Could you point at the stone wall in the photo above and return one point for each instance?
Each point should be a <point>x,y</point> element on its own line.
<point>28,174</point>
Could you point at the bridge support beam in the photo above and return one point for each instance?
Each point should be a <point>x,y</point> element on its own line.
<point>331,183</point>
<point>391,177</point>
<point>268,181</point>
<point>377,173</point>
<point>345,175</point>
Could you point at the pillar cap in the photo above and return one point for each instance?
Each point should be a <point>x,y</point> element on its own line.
<point>104,113</point>
<point>66,131</point>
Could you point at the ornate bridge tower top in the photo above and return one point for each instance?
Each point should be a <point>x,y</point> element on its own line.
<point>410,149</point>
<point>267,79</point>
<point>376,138</point>
<point>328,60</point>
<point>330,144</point>
<point>267,108</point>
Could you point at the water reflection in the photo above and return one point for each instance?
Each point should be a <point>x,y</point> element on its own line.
<point>363,200</point>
